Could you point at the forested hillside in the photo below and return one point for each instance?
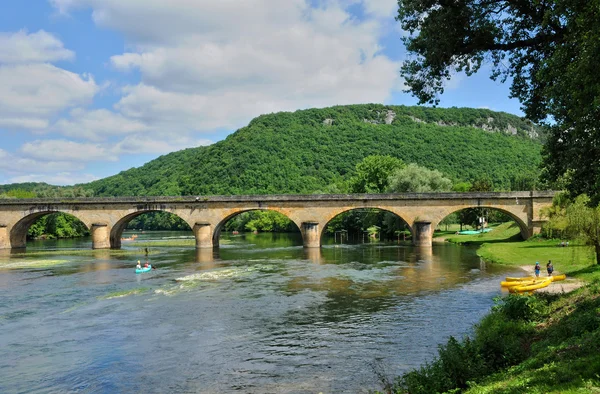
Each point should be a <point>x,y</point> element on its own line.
<point>310,150</point>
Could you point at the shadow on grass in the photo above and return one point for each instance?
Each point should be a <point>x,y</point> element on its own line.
<point>587,270</point>
<point>514,238</point>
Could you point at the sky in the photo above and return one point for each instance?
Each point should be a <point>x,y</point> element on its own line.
<point>89,88</point>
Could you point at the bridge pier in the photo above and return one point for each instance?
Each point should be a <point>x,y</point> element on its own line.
<point>311,234</point>
<point>204,235</point>
<point>100,236</point>
<point>422,235</point>
<point>4,237</point>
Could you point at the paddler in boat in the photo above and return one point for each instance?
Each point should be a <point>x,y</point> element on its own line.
<point>138,266</point>
<point>146,265</point>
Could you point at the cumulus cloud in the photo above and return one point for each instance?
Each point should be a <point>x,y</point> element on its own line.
<point>61,178</point>
<point>218,63</point>
<point>137,144</point>
<point>30,94</point>
<point>67,151</point>
<point>382,8</point>
<point>204,66</point>
<point>21,47</point>
<point>96,125</point>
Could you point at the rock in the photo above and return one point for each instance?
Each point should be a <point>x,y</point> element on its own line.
<point>390,116</point>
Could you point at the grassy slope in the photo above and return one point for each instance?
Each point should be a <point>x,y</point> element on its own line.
<point>565,352</point>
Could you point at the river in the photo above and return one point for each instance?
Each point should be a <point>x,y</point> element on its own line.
<point>260,315</point>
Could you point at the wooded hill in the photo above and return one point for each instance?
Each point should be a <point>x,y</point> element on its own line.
<point>309,150</point>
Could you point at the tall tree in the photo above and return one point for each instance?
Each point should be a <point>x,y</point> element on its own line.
<point>414,178</point>
<point>550,50</point>
<point>372,174</point>
<point>576,219</point>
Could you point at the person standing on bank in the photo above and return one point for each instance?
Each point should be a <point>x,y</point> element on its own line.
<point>537,269</point>
<point>550,268</point>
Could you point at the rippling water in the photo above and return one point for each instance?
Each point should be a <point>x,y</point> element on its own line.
<point>260,315</point>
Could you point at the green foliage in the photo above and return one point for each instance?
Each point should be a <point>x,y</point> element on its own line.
<point>549,50</point>
<point>297,153</point>
<point>18,193</point>
<point>414,178</point>
<point>264,221</point>
<point>57,225</point>
<point>461,187</point>
<point>575,219</point>
<point>158,221</point>
<point>358,222</point>
<point>373,172</point>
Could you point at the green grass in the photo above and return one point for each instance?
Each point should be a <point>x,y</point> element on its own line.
<point>576,260</point>
<point>504,245</point>
<point>555,338</point>
<point>565,353</point>
<point>504,232</point>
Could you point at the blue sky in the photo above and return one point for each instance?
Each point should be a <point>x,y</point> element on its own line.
<point>89,88</point>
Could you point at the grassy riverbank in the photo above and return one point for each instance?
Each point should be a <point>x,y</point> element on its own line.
<point>502,246</point>
<point>543,343</point>
<point>539,344</point>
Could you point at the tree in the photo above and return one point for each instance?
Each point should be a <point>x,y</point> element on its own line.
<point>414,178</point>
<point>372,174</point>
<point>550,50</point>
<point>577,219</point>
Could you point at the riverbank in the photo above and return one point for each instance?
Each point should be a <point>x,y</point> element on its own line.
<point>503,245</point>
<point>545,343</point>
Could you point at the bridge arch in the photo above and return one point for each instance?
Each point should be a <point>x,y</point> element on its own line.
<point>336,214</point>
<point>116,231</point>
<point>516,216</point>
<point>221,224</point>
<point>18,232</point>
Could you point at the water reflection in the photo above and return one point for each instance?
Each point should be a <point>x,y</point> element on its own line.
<point>260,314</point>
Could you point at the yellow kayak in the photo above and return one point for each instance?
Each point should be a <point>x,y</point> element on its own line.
<point>529,280</point>
<point>542,284</point>
<point>520,283</point>
<point>513,279</point>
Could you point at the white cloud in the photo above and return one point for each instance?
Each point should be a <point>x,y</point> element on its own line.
<point>65,150</point>
<point>30,94</point>
<point>96,125</point>
<point>218,63</point>
<point>382,8</point>
<point>61,178</point>
<point>138,144</point>
<point>21,47</point>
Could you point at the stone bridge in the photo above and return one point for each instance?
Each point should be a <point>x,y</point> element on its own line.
<point>106,218</point>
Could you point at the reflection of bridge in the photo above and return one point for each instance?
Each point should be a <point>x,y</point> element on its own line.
<point>107,217</point>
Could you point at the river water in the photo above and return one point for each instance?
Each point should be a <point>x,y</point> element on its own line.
<point>260,315</point>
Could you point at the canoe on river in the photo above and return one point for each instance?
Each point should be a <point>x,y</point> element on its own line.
<point>143,269</point>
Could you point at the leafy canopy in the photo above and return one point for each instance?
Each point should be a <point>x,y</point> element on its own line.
<point>576,218</point>
<point>550,49</point>
<point>372,174</point>
<point>414,178</point>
